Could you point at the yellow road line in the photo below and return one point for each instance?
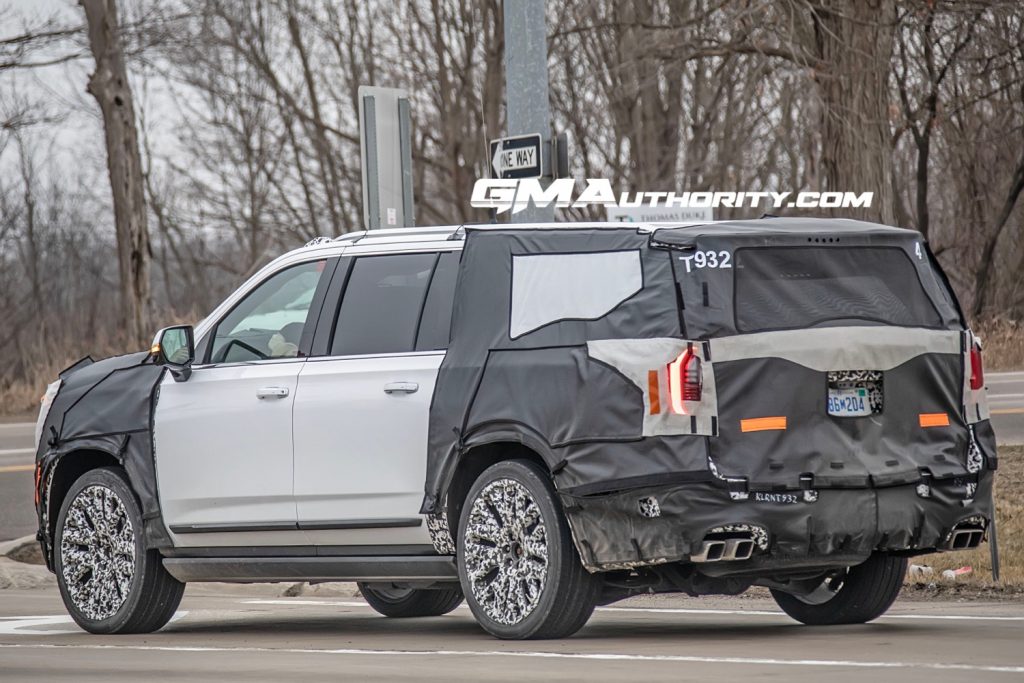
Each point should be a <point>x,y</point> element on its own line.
<point>1007,411</point>
<point>17,468</point>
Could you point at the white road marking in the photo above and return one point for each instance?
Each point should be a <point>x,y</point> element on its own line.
<point>1015,376</point>
<point>599,656</point>
<point>667,610</point>
<point>30,626</point>
<point>18,426</point>
<point>16,451</point>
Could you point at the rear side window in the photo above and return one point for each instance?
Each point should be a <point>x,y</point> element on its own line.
<point>380,310</point>
<point>436,321</point>
<point>781,288</point>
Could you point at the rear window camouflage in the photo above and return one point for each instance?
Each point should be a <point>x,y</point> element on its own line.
<point>778,288</point>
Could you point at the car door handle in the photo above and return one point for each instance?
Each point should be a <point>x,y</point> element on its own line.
<point>401,388</point>
<point>271,392</point>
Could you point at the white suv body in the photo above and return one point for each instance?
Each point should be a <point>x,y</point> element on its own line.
<point>327,450</point>
<point>599,411</point>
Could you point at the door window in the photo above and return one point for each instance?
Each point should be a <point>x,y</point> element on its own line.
<point>269,321</point>
<point>436,321</point>
<point>380,311</point>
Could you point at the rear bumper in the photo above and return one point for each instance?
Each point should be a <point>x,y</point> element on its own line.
<point>792,530</point>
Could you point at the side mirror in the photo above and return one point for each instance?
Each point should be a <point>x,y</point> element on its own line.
<point>175,348</point>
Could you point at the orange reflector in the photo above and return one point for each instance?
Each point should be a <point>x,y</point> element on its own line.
<point>653,391</point>
<point>762,424</point>
<point>933,419</point>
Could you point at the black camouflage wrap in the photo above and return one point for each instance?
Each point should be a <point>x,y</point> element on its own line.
<point>541,389</point>
<point>107,407</point>
<point>824,492</point>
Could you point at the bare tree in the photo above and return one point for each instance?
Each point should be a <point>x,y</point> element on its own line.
<point>110,86</point>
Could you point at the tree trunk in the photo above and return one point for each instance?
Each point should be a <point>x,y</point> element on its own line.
<point>109,85</point>
<point>854,41</point>
<point>985,280</point>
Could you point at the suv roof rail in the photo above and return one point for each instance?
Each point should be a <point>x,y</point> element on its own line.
<point>446,231</point>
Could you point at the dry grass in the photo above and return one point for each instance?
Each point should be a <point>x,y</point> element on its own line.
<point>23,381</point>
<point>21,396</point>
<point>1010,523</point>
<point>1003,340</point>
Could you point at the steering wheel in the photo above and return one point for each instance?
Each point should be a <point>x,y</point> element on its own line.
<point>238,342</point>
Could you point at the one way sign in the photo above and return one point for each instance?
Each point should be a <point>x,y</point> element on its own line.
<point>516,157</point>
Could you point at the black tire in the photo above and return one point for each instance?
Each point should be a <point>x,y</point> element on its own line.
<point>134,594</point>
<point>567,593</point>
<point>865,593</point>
<point>411,602</point>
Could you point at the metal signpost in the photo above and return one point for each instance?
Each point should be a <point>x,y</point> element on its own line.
<point>526,90</point>
<point>385,146</point>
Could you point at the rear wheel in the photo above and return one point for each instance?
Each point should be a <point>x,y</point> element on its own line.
<point>519,568</point>
<point>851,596</point>
<point>394,601</point>
<point>108,580</point>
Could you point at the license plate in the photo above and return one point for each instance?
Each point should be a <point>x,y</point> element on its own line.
<point>848,402</point>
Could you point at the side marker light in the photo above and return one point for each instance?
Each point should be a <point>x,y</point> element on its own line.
<point>763,424</point>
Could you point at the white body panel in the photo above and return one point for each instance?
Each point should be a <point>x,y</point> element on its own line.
<point>224,456</point>
<point>361,453</point>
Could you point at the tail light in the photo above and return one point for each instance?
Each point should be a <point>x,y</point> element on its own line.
<point>977,373</point>
<point>684,380</point>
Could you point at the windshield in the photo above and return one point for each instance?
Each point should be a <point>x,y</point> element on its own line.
<point>780,288</point>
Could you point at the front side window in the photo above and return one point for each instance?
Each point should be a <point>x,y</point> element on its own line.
<point>380,310</point>
<point>269,321</point>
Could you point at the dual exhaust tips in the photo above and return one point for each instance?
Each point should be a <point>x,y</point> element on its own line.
<point>714,550</point>
<point>967,537</point>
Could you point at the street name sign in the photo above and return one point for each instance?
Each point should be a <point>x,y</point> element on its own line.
<point>660,214</point>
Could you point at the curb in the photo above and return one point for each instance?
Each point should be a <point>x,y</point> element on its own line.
<point>8,547</point>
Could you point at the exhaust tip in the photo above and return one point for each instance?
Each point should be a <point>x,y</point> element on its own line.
<point>742,549</point>
<point>965,538</point>
<point>710,551</point>
<point>739,547</point>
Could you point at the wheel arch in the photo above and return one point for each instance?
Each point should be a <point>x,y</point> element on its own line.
<point>486,450</point>
<point>62,474</point>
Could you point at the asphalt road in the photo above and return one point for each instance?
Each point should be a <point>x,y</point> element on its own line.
<point>245,638</point>
<point>1006,402</point>
<point>17,518</point>
<point>17,457</point>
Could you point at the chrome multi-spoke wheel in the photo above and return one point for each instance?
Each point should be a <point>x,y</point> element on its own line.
<point>109,581</point>
<point>506,551</point>
<point>97,549</point>
<point>518,565</point>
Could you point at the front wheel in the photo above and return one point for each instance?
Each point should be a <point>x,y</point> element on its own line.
<point>517,563</point>
<point>108,580</point>
<point>852,596</point>
<point>396,601</point>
